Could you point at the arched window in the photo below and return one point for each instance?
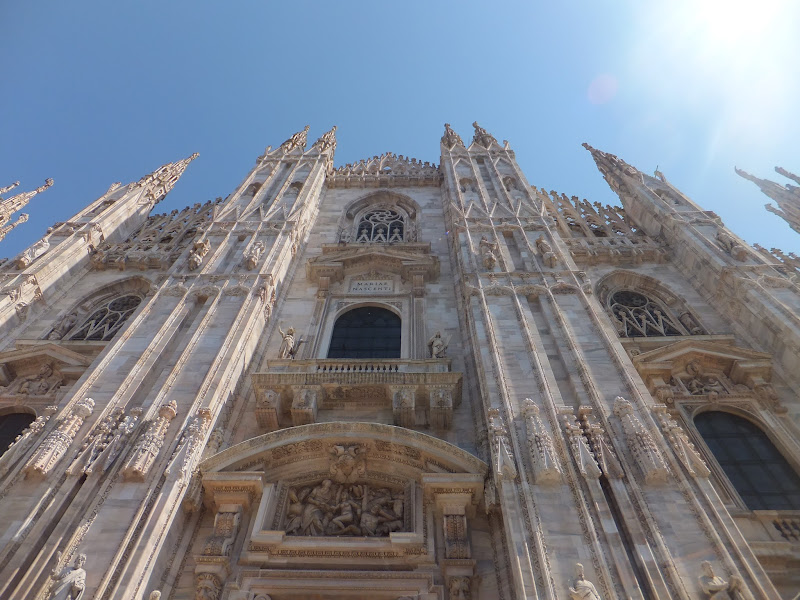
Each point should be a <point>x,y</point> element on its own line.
<point>757,470</point>
<point>641,316</point>
<point>105,321</point>
<point>366,332</point>
<point>11,426</point>
<point>382,225</point>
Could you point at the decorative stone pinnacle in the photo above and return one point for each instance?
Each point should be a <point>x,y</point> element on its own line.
<point>9,188</point>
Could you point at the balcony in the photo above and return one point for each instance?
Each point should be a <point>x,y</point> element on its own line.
<point>419,392</point>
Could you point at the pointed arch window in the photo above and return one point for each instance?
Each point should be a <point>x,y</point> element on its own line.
<point>641,316</point>
<point>106,321</point>
<point>759,473</point>
<point>381,226</point>
<point>366,332</point>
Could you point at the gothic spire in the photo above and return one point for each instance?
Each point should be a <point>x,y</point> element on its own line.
<point>327,141</point>
<point>451,139</point>
<point>483,137</point>
<point>158,183</point>
<point>297,140</point>
<point>11,205</point>
<point>612,167</point>
<point>787,196</point>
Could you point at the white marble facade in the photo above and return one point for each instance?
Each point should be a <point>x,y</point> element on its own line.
<point>191,425</point>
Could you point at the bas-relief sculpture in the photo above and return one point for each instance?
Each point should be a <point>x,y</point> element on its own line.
<point>540,330</point>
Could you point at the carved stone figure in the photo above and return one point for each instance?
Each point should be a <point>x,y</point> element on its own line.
<point>63,326</point>
<point>208,587</point>
<point>69,582</point>
<point>32,253</point>
<point>154,595</point>
<point>437,346</point>
<point>731,246</point>
<point>688,321</point>
<point>546,468</point>
<point>289,347</point>
<point>197,254</point>
<point>488,252</point>
<point>349,463</point>
<point>252,255</point>
<point>40,384</point>
<point>581,588</point>
<point>641,443</point>
<point>459,588</point>
<point>716,588</point>
<point>546,250</point>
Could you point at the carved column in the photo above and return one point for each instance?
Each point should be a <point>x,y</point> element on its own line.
<point>58,442</point>
<point>305,404</point>
<point>149,445</point>
<point>25,440</point>
<point>404,405</point>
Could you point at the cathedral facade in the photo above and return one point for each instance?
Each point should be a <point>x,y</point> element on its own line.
<point>394,380</point>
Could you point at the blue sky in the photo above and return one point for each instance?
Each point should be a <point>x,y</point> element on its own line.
<point>97,92</point>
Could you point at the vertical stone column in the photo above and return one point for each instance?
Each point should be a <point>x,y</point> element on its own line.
<point>149,445</point>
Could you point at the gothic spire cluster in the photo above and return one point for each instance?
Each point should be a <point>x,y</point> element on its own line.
<point>158,183</point>
<point>787,196</point>
<point>11,205</point>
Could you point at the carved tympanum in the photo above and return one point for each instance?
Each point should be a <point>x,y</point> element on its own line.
<point>330,509</point>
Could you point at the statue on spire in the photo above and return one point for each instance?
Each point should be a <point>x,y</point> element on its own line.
<point>8,188</point>
<point>483,137</point>
<point>11,205</point>
<point>327,141</point>
<point>451,139</point>
<point>297,140</point>
<point>158,183</point>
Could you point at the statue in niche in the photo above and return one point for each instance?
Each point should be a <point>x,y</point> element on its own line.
<point>716,588</point>
<point>437,346</point>
<point>63,326</point>
<point>488,252</point>
<point>289,347</point>
<point>731,246</point>
<point>688,321</point>
<point>69,582</point>
<point>582,588</point>
<point>330,509</point>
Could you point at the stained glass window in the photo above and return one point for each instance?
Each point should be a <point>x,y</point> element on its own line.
<point>366,332</point>
<point>757,470</point>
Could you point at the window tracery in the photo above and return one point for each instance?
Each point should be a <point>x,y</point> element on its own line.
<point>640,316</point>
<point>105,321</point>
<point>382,225</point>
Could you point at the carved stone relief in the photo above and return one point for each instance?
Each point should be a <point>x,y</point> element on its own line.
<point>546,468</point>
<point>641,444</point>
<point>149,445</point>
<point>488,252</point>
<point>199,250</point>
<point>56,444</point>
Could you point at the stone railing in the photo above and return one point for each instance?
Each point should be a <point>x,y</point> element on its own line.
<point>417,392</point>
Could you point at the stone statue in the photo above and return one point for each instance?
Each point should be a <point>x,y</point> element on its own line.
<point>63,326</point>
<point>154,595</point>
<point>546,250</point>
<point>288,346</point>
<point>252,255</point>
<point>32,253</point>
<point>716,588</point>
<point>69,582</point>
<point>488,250</point>
<point>41,383</point>
<point>582,588</point>
<point>437,346</point>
